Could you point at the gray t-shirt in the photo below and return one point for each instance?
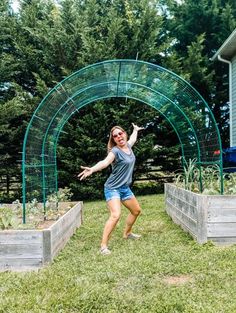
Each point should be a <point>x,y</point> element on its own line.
<point>122,169</point>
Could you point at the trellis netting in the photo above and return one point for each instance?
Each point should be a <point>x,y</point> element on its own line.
<point>169,94</point>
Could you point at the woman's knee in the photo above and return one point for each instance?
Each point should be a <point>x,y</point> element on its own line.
<point>115,209</point>
<point>133,206</point>
<point>137,211</point>
<point>115,216</point>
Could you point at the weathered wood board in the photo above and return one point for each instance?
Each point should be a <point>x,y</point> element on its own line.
<point>31,249</point>
<point>205,217</point>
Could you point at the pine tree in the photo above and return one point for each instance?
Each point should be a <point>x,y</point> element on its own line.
<point>46,41</point>
<point>199,28</point>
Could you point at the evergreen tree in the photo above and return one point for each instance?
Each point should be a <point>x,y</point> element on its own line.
<point>46,41</point>
<point>198,29</point>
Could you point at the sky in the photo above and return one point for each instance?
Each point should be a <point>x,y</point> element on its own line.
<point>15,5</point>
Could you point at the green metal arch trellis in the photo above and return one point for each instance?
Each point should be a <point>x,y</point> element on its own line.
<point>173,97</point>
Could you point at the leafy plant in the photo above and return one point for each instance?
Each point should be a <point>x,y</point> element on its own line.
<point>8,218</point>
<point>53,200</point>
<point>211,179</point>
<point>189,179</point>
<point>33,206</point>
<point>17,205</point>
<point>62,195</point>
<point>230,183</point>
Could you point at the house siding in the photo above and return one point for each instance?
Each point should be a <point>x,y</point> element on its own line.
<point>233,117</point>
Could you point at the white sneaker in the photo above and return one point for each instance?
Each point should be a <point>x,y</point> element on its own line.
<point>133,236</point>
<point>105,251</point>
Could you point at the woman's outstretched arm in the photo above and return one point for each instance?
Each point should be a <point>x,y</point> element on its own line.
<point>134,135</point>
<point>87,171</point>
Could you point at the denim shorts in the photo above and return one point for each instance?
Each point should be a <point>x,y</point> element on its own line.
<point>122,193</point>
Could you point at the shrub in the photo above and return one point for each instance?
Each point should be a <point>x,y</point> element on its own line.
<point>147,188</point>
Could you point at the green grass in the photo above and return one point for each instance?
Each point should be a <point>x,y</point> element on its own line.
<point>164,271</point>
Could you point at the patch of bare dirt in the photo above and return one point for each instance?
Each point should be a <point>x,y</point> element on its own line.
<point>178,280</point>
<point>45,224</point>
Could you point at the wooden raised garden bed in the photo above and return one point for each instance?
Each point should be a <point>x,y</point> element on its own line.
<point>31,249</point>
<point>205,217</point>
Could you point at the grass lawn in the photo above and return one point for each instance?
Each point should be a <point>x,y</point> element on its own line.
<point>164,271</point>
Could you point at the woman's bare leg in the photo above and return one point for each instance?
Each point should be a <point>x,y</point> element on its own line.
<point>114,206</point>
<point>133,206</point>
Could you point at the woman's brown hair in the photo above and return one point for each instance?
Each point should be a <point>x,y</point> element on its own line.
<point>111,142</point>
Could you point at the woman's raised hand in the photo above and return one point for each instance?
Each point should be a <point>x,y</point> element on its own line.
<point>87,171</point>
<point>136,127</point>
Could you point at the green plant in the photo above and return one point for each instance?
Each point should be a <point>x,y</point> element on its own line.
<point>17,205</point>
<point>62,195</point>
<point>211,179</point>
<point>230,183</point>
<point>189,179</point>
<point>33,206</point>
<point>8,219</point>
<point>53,200</point>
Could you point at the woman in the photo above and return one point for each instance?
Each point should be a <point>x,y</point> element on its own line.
<point>116,188</point>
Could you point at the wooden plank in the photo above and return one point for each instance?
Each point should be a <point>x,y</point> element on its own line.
<point>184,219</point>
<point>63,231</point>
<point>184,206</point>
<point>12,263</point>
<point>222,215</point>
<point>179,212</point>
<point>64,224</point>
<point>60,244</point>
<point>74,214</point>
<point>65,228</point>
<point>23,250</point>
<point>47,246</point>
<point>185,227</point>
<point>202,207</point>
<point>216,215</point>
<point>221,230</point>
<point>26,249</point>
<point>20,236</point>
<point>223,241</point>
<point>182,194</point>
<point>62,237</point>
<point>222,202</point>
<point>189,197</point>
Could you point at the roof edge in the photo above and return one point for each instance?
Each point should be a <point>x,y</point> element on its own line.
<point>224,45</point>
